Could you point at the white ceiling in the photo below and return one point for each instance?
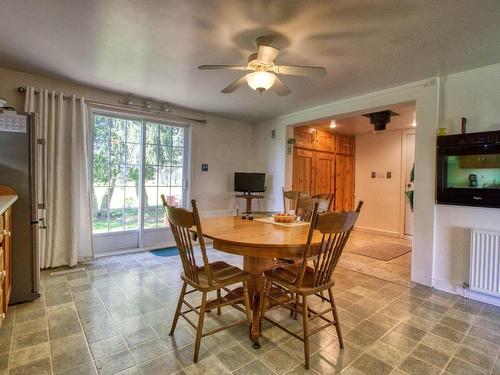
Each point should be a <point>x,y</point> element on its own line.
<point>153,48</point>
<point>359,124</point>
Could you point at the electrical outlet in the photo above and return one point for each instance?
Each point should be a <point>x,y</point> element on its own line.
<point>204,167</point>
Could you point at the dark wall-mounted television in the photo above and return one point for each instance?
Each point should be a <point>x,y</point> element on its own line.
<point>249,182</point>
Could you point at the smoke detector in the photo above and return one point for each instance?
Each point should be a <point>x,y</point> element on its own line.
<point>380,119</point>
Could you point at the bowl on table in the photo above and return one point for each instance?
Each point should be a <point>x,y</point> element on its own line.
<point>284,218</point>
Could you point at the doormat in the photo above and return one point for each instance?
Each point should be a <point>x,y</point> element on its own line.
<point>382,251</point>
<point>167,252</point>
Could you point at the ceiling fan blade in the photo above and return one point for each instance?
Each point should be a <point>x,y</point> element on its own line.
<point>280,88</point>
<point>235,85</point>
<point>267,54</point>
<point>296,70</point>
<point>223,67</point>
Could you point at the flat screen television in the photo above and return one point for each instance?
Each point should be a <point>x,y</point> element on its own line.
<point>249,182</point>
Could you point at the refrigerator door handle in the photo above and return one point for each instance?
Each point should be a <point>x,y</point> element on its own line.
<point>42,144</point>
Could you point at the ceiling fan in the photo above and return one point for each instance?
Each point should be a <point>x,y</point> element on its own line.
<point>263,70</point>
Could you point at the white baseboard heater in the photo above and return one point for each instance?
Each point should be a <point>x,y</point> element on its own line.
<point>484,273</point>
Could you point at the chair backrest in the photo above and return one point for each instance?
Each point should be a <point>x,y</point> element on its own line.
<point>305,207</point>
<point>292,196</point>
<point>326,196</point>
<point>335,228</point>
<point>181,222</point>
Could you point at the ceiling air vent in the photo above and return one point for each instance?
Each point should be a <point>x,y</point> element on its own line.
<point>380,119</point>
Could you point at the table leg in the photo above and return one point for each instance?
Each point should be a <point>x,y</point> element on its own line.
<point>256,267</point>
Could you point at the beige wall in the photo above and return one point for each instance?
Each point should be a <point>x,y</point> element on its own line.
<point>223,144</point>
<point>383,197</point>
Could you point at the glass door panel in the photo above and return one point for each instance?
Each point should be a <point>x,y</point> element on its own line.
<point>135,161</point>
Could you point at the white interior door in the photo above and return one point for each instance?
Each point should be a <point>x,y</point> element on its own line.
<point>409,162</point>
<point>135,160</point>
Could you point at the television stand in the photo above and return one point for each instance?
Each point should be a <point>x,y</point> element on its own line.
<point>249,197</point>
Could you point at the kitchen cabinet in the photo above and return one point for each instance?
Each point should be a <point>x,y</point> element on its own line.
<point>303,170</point>
<point>324,173</point>
<point>304,137</point>
<point>344,183</point>
<point>345,145</point>
<point>323,163</point>
<point>7,198</point>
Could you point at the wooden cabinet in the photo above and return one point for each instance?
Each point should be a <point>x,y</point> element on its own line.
<point>314,139</point>
<point>304,137</point>
<point>303,170</point>
<point>324,163</point>
<point>344,183</point>
<point>324,173</point>
<point>324,141</point>
<point>5,250</point>
<point>345,145</point>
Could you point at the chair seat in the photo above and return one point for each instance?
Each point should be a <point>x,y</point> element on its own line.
<point>216,266</point>
<point>224,275</point>
<point>287,274</point>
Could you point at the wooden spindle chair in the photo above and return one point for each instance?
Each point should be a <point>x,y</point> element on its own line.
<point>292,196</point>
<point>326,196</point>
<point>305,207</point>
<point>206,278</point>
<point>312,276</point>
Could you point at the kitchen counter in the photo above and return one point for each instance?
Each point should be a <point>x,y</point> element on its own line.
<point>6,201</point>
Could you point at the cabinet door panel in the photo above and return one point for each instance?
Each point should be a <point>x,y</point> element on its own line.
<point>345,145</point>
<point>324,141</point>
<point>303,162</point>
<point>344,183</point>
<point>323,173</point>
<point>304,137</point>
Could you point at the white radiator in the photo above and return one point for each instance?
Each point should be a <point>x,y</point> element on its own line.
<point>484,275</point>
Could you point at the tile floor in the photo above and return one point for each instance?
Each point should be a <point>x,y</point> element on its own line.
<point>396,270</point>
<point>114,318</point>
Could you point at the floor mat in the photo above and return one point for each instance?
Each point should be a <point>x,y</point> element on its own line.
<point>382,251</point>
<point>167,252</point>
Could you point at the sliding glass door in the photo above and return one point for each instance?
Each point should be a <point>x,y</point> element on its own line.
<point>135,160</point>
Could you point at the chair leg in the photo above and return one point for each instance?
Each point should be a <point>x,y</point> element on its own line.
<point>219,298</point>
<point>199,329</point>
<point>336,318</point>
<point>263,297</point>
<point>178,309</point>
<point>305,320</point>
<point>296,306</point>
<point>246,300</point>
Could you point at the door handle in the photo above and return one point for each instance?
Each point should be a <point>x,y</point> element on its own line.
<point>477,198</point>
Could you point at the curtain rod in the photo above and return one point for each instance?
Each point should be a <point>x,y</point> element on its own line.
<point>22,90</point>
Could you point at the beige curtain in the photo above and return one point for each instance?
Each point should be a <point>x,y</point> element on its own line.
<point>64,170</point>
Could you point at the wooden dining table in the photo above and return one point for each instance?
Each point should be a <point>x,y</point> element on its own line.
<point>259,243</point>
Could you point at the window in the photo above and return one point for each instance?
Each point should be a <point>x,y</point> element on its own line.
<point>121,175</point>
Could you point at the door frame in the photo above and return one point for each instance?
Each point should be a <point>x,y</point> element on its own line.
<point>404,171</point>
<point>123,241</point>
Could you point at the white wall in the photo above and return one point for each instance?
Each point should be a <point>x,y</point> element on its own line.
<point>223,144</point>
<point>474,94</point>
<point>382,197</point>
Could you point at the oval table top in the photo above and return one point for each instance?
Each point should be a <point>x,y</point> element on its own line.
<point>254,238</point>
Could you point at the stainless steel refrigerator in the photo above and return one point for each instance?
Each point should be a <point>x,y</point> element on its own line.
<point>19,155</point>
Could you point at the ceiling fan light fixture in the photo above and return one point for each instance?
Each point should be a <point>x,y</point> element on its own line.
<point>261,81</point>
